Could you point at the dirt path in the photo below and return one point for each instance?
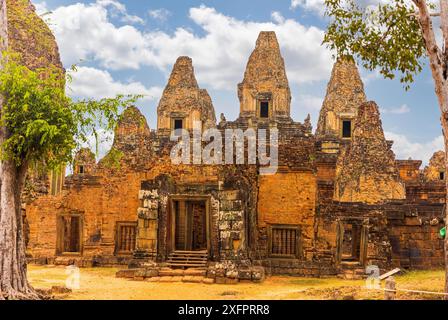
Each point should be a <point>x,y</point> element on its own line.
<point>101,284</point>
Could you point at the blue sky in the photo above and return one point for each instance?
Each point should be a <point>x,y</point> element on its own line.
<point>129,46</point>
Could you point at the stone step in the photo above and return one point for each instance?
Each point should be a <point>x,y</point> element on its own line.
<point>188,255</point>
<point>197,259</point>
<point>186,259</point>
<point>186,279</point>
<point>180,272</point>
<point>186,264</point>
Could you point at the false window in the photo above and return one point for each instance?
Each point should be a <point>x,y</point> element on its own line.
<point>178,124</point>
<point>126,237</point>
<point>284,241</point>
<point>69,234</point>
<point>264,109</point>
<point>346,128</point>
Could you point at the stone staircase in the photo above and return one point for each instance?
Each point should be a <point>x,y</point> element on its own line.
<point>187,259</point>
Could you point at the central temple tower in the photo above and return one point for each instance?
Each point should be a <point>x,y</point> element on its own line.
<point>264,93</point>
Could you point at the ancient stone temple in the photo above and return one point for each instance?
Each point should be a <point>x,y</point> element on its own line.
<point>337,201</point>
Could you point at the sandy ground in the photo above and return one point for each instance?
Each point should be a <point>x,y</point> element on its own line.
<point>101,284</point>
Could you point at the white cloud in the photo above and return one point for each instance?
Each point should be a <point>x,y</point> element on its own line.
<point>94,83</point>
<point>404,148</point>
<point>41,8</point>
<point>318,6</point>
<point>309,102</point>
<point>277,17</point>
<point>119,10</point>
<point>160,14</point>
<point>219,56</point>
<point>400,110</point>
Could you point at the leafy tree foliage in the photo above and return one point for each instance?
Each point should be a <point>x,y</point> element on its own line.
<point>386,37</point>
<point>44,124</point>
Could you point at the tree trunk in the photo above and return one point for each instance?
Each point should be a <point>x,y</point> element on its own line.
<point>439,69</point>
<point>13,278</point>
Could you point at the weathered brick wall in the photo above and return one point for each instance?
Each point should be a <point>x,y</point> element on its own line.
<point>414,236</point>
<point>287,198</point>
<point>409,170</point>
<point>372,216</point>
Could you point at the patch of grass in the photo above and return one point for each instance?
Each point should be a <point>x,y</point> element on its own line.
<point>427,280</point>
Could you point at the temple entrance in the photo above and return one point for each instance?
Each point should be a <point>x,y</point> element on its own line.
<point>190,225</point>
<point>351,241</point>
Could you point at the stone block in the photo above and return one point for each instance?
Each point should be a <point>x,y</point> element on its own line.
<point>229,195</point>
<point>166,279</point>
<point>208,281</point>
<point>60,290</point>
<point>153,214</point>
<point>223,225</point>
<point>192,279</point>
<point>245,274</point>
<point>151,272</point>
<point>231,281</point>
<point>258,274</point>
<point>220,280</point>
<point>126,273</point>
<point>195,272</point>
<point>153,279</point>
<point>171,273</point>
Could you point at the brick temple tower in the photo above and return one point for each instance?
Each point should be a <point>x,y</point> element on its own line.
<point>264,93</point>
<point>183,102</point>
<point>345,93</point>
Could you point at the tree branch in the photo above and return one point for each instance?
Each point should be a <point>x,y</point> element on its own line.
<point>435,55</point>
<point>444,27</point>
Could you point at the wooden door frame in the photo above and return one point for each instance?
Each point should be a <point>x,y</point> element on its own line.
<point>172,225</point>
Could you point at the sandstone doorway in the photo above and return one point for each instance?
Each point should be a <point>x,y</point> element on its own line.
<point>190,225</point>
<point>351,241</point>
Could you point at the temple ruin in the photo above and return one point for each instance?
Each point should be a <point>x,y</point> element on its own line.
<point>338,202</point>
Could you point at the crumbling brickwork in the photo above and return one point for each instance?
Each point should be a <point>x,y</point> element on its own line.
<point>366,170</point>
